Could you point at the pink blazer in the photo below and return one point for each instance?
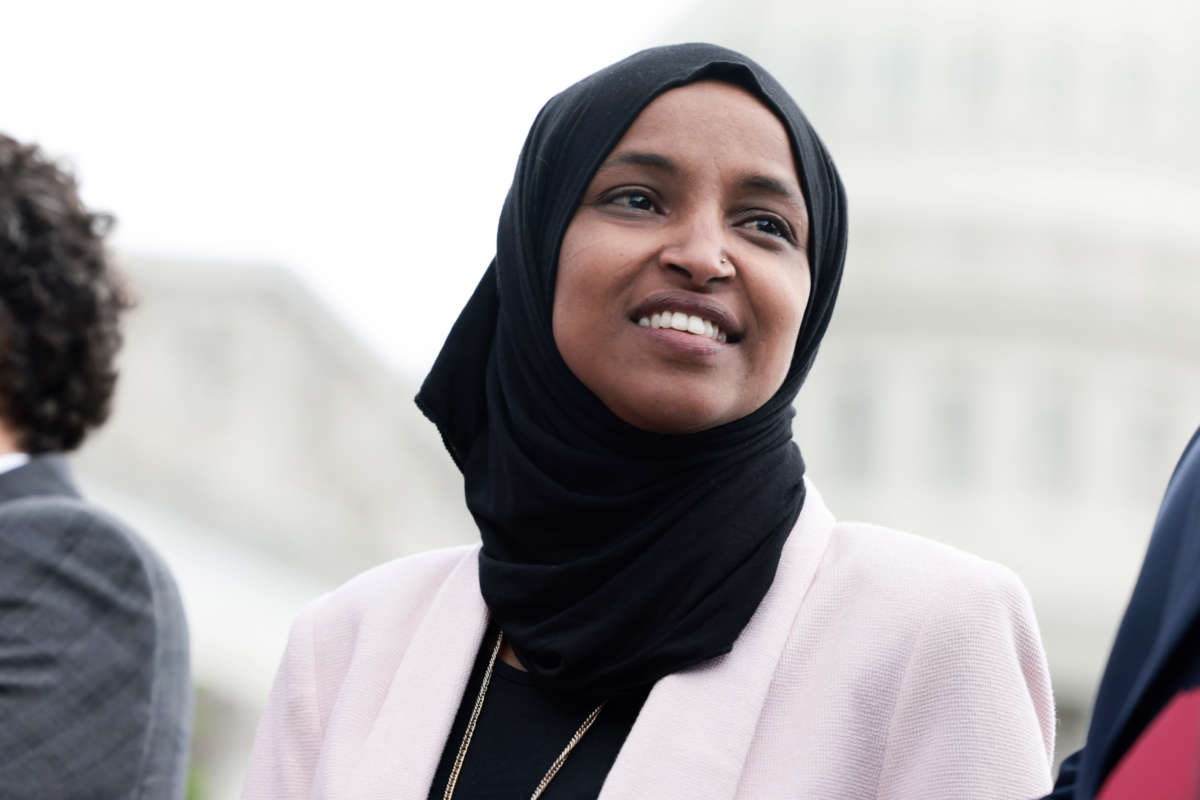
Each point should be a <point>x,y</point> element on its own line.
<point>879,665</point>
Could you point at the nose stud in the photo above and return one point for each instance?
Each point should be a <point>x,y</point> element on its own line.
<point>723,261</point>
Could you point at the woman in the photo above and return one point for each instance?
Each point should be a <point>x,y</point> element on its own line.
<point>662,606</point>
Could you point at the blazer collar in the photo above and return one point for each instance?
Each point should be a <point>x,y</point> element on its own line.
<point>694,732</point>
<point>715,705</point>
<point>45,474</point>
<point>404,746</point>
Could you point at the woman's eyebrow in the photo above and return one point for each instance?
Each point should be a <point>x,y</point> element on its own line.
<point>638,159</point>
<point>774,186</point>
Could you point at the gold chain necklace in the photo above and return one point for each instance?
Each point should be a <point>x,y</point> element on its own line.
<point>466,742</point>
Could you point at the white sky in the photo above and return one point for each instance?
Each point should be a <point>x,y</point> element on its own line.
<point>366,145</point>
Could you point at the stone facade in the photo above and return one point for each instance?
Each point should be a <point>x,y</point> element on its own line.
<point>269,456</point>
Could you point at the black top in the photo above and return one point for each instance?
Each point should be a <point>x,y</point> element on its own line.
<point>521,730</point>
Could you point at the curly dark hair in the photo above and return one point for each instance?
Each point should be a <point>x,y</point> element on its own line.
<point>60,304</point>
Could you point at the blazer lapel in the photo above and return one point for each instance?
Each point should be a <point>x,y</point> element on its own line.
<point>1181,609</point>
<point>402,751</point>
<point>1178,619</point>
<point>694,731</point>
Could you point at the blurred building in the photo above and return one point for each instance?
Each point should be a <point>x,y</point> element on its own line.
<point>269,457</point>
<point>1014,365</point>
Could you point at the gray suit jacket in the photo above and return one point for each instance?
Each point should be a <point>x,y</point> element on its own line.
<point>95,690</point>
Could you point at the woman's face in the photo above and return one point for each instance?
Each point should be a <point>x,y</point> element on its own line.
<point>683,276</point>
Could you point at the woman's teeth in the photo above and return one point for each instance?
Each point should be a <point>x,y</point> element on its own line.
<point>683,322</point>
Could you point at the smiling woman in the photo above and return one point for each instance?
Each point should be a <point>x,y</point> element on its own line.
<point>696,214</point>
<point>662,606</point>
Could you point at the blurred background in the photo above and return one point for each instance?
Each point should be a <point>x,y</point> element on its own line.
<point>306,194</point>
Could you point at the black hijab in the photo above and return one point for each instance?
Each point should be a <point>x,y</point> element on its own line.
<point>611,555</point>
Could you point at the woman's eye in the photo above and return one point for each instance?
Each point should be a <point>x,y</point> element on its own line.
<point>771,226</point>
<point>638,201</point>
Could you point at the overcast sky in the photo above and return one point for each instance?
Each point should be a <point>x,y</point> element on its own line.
<point>365,145</point>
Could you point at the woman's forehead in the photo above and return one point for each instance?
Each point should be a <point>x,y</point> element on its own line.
<point>687,110</point>
<point>708,123</point>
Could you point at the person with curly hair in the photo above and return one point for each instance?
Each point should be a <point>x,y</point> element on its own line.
<point>95,690</point>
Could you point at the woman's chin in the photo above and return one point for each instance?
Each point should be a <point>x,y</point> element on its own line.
<point>677,415</point>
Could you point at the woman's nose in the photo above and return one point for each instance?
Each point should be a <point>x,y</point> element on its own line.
<point>697,251</point>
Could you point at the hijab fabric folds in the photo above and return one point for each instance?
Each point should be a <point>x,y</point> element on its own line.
<point>611,555</point>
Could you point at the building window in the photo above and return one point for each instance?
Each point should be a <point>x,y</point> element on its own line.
<point>977,69</point>
<point>855,429</point>
<point>899,64</point>
<point>1053,444</point>
<point>953,432</point>
<point>1053,76</point>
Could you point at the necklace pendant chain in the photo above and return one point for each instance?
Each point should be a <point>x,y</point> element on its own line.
<point>470,731</point>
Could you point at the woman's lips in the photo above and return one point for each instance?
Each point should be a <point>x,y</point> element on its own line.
<point>683,343</point>
<point>689,323</point>
<point>687,313</point>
